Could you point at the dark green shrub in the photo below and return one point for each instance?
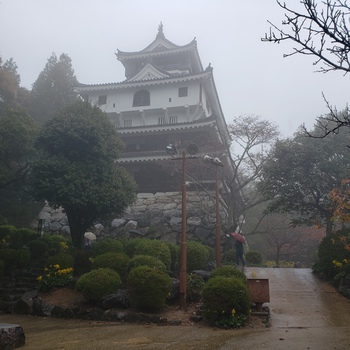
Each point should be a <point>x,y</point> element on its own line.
<point>20,237</point>
<point>96,284</point>
<point>175,256</point>
<point>107,245</point>
<point>197,256</point>
<point>118,262</point>
<point>253,257</point>
<point>229,256</point>
<point>63,260</point>
<point>331,251</point>
<point>228,271</point>
<point>147,260</point>
<point>23,257</point>
<point>130,246</point>
<point>2,268</point>
<point>6,231</point>
<point>156,248</point>
<point>58,244</point>
<point>148,288</point>
<point>8,257</point>
<point>194,287</point>
<point>225,300</point>
<point>38,248</point>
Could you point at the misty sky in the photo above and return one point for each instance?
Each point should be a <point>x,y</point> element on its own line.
<point>251,77</point>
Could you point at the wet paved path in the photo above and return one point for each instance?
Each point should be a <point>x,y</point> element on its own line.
<point>305,314</point>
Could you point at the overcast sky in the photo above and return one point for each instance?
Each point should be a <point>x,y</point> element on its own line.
<point>251,77</point>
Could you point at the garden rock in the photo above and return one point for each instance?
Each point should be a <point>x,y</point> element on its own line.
<point>120,299</point>
<point>11,336</point>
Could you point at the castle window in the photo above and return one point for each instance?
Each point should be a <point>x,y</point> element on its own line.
<point>141,98</point>
<point>173,119</point>
<point>102,100</point>
<point>183,91</point>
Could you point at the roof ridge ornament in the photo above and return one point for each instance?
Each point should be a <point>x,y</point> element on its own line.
<point>160,31</point>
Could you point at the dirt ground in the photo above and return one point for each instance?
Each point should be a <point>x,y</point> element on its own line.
<point>69,298</point>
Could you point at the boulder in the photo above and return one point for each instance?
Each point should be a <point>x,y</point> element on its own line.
<point>11,336</point>
<point>116,300</point>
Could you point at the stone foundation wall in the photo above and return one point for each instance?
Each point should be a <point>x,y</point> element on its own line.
<point>152,215</point>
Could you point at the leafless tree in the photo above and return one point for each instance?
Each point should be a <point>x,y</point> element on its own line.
<point>320,29</point>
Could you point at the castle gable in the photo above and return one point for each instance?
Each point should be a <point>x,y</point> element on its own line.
<point>148,73</point>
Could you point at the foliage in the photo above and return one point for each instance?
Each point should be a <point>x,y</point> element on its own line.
<point>64,260</point>
<point>155,248</point>
<point>38,248</point>
<point>300,175</point>
<point>340,197</point>
<point>55,276</point>
<point>23,257</point>
<point>233,321</point>
<point>9,257</point>
<point>229,256</point>
<point>118,262</point>
<point>6,231</point>
<point>175,256</point>
<point>197,256</point>
<point>251,139</point>
<point>228,271</point>
<point>222,295</point>
<point>75,168</point>
<point>333,248</point>
<point>2,268</point>
<point>147,260</point>
<point>96,284</point>
<point>282,263</point>
<point>194,287</point>
<point>148,288</point>
<point>106,245</point>
<point>54,87</point>
<point>21,237</point>
<point>253,257</point>
<point>131,244</point>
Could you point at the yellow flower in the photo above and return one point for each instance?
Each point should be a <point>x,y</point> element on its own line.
<point>39,278</point>
<point>233,312</point>
<point>56,266</point>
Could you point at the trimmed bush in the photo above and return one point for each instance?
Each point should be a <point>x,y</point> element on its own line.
<point>96,284</point>
<point>118,262</point>
<point>106,245</point>
<point>131,244</point>
<point>228,271</point>
<point>253,257</point>
<point>229,256</point>
<point>6,231</point>
<point>38,248</point>
<point>175,256</point>
<point>148,288</point>
<point>194,287</point>
<point>63,260</point>
<point>156,248</point>
<point>8,257</point>
<point>197,256</point>
<point>224,298</point>
<point>19,238</point>
<point>23,257</point>
<point>146,260</point>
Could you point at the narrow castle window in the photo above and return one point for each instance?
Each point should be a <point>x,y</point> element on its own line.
<point>183,91</point>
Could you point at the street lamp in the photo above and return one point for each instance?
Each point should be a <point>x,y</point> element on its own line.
<point>172,150</point>
<point>217,162</point>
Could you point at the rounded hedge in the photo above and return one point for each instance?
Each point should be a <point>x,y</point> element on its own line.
<point>19,238</point>
<point>38,248</point>
<point>228,271</point>
<point>156,248</point>
<point>175,256</point>
<point>222,296</point>
<point>6,231</point>
<point>146,260</point>
<point>63,260</point>
<point>96,284</point>
<point>118,262</point>
<point>106,245</point>
<point>253,257</point>
<point>229,256</point>
<point>131,244</point>
<point>148,288</point>
<point>23,257</point>
<point>8,257</point>
<point>197,256</point>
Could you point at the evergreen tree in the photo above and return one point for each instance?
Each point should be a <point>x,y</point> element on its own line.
<point>54,88</point>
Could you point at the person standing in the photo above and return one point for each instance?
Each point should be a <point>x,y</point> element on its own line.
<point>239,253</point>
